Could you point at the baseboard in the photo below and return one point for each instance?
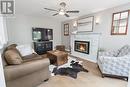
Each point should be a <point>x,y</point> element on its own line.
<point>83,58</point>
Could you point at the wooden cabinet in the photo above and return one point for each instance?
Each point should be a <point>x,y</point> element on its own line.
<point>43,46</point>
<point>42,34</point>
<point>47,34</point>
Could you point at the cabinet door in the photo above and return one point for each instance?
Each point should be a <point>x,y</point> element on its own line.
<point>47,34</point>
<point>48,46</point>
<point>44,34</point>
<point>36,34</point>
<point>42,47</point>
<point>50,34</point>
<point>39,48</point>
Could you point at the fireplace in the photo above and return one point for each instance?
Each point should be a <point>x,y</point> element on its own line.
<point>82,46</point>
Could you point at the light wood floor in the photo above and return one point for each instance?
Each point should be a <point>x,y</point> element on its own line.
<point>91,79</point>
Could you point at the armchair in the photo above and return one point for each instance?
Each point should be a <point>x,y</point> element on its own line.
<point>115,63</point>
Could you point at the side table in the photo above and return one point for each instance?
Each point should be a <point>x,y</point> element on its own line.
<point>57,57</point>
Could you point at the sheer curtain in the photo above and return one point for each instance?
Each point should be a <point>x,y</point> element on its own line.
<point>3,32</point>
<point>3,40</point>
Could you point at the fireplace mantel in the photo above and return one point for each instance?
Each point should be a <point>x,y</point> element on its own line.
<point>84,33</point>
<point>93,48</point>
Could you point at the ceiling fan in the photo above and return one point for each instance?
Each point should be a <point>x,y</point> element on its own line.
<point>62,10</point>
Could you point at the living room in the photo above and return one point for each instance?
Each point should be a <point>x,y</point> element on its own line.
<point>52,38</point>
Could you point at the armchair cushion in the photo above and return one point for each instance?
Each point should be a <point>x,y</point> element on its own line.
<point>125,50</point>
<point>16,71</point>
<point>113,53</point>
<point>116,65</point>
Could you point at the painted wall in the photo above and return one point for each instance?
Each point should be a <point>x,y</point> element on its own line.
<point>107,41</point>
<point>19,28</point>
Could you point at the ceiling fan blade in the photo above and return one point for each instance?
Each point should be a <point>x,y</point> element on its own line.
<point>50,9</point>
<point>72,11</point>
<point>67,15</point>
<point>55,14</point>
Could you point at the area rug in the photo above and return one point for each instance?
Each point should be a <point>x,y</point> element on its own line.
<point>71,68</point>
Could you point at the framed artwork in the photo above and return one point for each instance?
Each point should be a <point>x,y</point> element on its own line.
<point>66,29</point>
<point>86,24</point>
<point>120,23</point>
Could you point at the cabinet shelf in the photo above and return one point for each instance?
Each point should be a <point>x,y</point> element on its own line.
<point>43,46</point>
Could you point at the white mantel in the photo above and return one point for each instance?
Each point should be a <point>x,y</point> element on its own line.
<point>93,38</point>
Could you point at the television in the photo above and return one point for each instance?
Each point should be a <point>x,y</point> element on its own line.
<point>42,34</point>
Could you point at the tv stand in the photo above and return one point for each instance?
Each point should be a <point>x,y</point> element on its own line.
<point>41,47</point>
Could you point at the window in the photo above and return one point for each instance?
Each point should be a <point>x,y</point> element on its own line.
<point>120,23</point>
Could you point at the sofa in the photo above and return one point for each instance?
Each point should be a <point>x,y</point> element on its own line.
<point>115,63</point>
<point>31,72</point>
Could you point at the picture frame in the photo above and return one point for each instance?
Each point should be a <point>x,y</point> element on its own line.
<point>66,29</point>
<point>86,24</point>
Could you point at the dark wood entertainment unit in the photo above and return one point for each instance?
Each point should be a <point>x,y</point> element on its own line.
<point>41,38</point>
<point>43,46</point>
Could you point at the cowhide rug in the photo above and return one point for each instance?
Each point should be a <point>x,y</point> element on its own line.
<point>72,70</point>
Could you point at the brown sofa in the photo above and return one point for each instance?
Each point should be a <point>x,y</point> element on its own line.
<point>33,71</point>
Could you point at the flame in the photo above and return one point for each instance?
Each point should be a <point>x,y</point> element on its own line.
<point>82,48</point>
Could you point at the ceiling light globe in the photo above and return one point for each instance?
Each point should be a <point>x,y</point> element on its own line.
<point>61,13</point>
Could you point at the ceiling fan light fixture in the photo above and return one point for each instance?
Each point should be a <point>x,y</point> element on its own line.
<point>61,12</point>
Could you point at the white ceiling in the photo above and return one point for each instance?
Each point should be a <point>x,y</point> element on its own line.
<point>36,7</point>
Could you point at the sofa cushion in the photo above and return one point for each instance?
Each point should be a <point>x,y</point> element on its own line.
<point>31,57</point>
<point>13,47</point>
<point>12,57</point>
<point>125,50</point>
<point>17,71</point>
<point>25,49</point>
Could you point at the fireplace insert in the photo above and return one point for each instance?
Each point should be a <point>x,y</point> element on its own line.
<point>82,46</point>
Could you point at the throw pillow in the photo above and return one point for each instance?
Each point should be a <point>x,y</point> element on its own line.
<point>13,47</point>
<point>125,50</point>
<point>25,49</point>
<point>12,57</point>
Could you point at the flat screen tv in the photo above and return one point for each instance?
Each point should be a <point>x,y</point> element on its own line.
<point>42,34</point>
